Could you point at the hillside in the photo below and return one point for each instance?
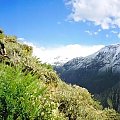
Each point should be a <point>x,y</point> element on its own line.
<point>30,90</point>
<point>99,73</point>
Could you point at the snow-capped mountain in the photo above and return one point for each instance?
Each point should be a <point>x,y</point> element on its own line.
<point>99,73</point>
<point>83,70</point>
<point>108,56</point>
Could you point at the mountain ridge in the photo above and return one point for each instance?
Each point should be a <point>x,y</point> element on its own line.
<point>97,72</point>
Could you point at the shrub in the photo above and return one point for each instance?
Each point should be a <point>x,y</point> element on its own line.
<point>23,97</point>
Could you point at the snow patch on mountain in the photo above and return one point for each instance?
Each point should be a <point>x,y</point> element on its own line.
<point>106,57</point>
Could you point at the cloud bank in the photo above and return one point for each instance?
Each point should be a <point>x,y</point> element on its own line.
<point>63,53</point>
<point>105,13</point>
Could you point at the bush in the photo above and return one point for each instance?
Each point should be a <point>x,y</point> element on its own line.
<point>23,97</point>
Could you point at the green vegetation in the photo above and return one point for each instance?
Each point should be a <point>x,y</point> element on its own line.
<point>30,90</point>
<point>111,97</point>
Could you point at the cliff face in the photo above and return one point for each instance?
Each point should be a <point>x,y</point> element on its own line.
<point>30,90</point>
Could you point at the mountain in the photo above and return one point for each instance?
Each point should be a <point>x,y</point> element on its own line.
<point>98,72</point>
<point>31,90</point>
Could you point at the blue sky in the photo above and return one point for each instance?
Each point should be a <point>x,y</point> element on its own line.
<point>52,23</point>
<point>45,22</point>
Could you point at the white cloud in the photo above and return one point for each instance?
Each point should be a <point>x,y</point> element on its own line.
<point>63,52</point>
<point>118,35</point>
<point>107,35</point>
<point>101,12</point>
<point>21,39</point>
<point>99,30</point>
<point>93,32</point>
<point>66,52</point>
<point>114,32</point>
<point>89,32</point>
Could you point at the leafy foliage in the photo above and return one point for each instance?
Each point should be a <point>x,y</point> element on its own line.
<point>21,96</point>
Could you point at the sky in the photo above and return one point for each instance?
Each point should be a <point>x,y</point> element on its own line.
<point>67,28</point>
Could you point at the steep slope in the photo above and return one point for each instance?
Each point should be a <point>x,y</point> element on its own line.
<point>111,97</point>
<point>98,72</point>
<point>30,90</point>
